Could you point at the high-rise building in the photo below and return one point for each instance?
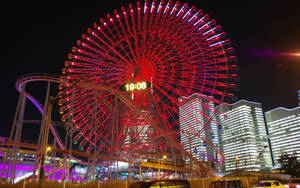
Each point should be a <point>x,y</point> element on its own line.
<point>284,130</point>
<point>298,96</point>
<point>243,136</point>
<point>197,125</point>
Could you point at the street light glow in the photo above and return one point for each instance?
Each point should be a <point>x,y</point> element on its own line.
<point>48,149</point>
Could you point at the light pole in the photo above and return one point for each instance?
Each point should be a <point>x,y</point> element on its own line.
<point>160,164</point>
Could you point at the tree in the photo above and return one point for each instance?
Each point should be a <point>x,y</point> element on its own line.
<point>289,164</point>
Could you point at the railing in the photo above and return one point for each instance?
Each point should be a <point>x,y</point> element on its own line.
<point>66,184</point>
<point>246,181</point>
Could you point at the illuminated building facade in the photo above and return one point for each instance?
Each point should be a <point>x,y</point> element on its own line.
<point>243,137</point>
<point>196,112</point>
<point>298,96</point>
<point>284,130</point>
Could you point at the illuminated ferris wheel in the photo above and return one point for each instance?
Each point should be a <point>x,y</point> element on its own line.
<point>149,55</point>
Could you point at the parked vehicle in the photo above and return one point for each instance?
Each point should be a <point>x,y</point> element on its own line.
<point>229,183</point>
<point>269,184</point>
<point>161,184</point>
<point>295,183</point>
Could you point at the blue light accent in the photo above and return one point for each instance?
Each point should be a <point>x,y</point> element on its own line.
<point>209,31</point>
<point>180,10</point>
<point>193,17</point>
<point>204,25</point>
<point>166,8</point>
<point>298,91</point>
<point>217,43</point>
<point>213,37</point>
<point>199,21</point>
<point>152,6</point>
<point>159,7</point>
<point>145,7</point>
<point>173,9</point>
<point>188,12</point>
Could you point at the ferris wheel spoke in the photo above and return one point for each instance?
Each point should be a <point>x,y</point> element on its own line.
<point>110,47</point>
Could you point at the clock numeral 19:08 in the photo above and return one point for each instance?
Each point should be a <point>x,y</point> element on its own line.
<point>136,86</point>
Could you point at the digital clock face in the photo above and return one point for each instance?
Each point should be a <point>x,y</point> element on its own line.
<point>135,86</point>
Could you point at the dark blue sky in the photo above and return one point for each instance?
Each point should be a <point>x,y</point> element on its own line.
<point>36,37</point>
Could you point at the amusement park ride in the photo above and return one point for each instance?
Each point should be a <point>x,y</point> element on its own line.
<point>119,93</point>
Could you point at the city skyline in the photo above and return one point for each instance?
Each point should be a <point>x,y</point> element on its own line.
<point>38,37</point>
<point>182,89</point>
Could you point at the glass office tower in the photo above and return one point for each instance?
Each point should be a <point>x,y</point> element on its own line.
<point>284,130</point>
<point>195,113</point>
<point>243,137</point>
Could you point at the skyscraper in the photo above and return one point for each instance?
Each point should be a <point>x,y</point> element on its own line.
<point>243,137</point>
<point>284,131</point>
<point>298,96</point>
<point>197,119</point>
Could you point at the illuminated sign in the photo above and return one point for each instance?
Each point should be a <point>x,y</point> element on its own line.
<point>135,86</point>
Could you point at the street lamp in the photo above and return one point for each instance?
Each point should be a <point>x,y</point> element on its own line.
<point>160,164</point>
<point>48,149</point>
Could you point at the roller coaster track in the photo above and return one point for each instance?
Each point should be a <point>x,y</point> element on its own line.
<point>37,77</point>
<point>55,79</point>
<point>59,150</point>
<point>157,165</point>
<point>27,78</point>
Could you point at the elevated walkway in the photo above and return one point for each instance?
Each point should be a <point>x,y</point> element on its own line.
<point>165,167</point>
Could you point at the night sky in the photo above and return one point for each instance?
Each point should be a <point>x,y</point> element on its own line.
<point>36,37</point>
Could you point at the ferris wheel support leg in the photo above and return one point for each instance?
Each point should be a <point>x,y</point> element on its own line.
<point>71,134</point>
<point>89,161</point>
<point>116,128</point>
<point>70,154</point>
<point>95,129</point>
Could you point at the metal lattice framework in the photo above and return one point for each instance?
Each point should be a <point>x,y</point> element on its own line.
<point>175,48</point>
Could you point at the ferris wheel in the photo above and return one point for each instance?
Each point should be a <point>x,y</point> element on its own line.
<point>143,58</point>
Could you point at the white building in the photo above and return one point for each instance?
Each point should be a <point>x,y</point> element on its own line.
<point>197,125</point>
<point>243,137</point>
<point>284,131</point>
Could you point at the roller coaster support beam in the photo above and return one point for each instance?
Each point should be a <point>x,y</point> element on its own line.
<point>45,138</point>
<point>42,128</point>
<point>15,135</point>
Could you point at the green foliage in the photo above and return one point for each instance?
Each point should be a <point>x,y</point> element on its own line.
<point>289,165</point>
